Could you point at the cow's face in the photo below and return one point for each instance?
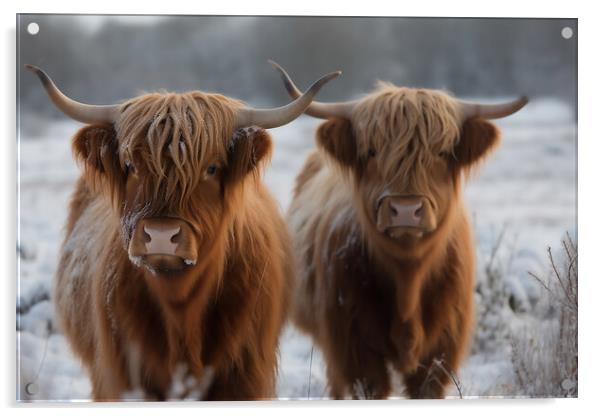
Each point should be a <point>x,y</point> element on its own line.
<point>174,167</point>
<point>405,150</point>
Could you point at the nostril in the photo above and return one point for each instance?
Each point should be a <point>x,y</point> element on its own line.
<point>393,210</point>
<point>146,235</point>
<point>176,237</point>
<point>418,213</point>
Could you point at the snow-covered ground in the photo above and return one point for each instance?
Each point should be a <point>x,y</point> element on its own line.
<point>525,191</point>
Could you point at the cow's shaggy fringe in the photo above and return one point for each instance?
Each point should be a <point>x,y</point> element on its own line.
<point>404,115</point>
<point>544,354</point>
<point>175,135</point>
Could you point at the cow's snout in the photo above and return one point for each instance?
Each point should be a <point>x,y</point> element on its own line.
<point>404,213</point>
<point>399,214</point>
<point>163,244</point>
<point>161,240</point>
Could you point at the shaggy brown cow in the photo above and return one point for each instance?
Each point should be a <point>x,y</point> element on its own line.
<point>386,256</point>
<point>175,253</point>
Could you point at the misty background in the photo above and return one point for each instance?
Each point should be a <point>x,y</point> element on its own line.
<point>106,59</point>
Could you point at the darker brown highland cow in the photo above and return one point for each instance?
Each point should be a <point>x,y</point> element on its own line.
<point>383,240</point>
<point>176,255</point>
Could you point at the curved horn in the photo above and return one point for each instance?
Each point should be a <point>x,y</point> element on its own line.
<point>276,117</point>
<point>85,113</point>
<point>491,111</point>
<point>316,109</point>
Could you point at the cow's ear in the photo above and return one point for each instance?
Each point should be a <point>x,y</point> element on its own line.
<point>95,147</point>
<point>337,138</point>
<point>477,139</point>
<point>249,148</point>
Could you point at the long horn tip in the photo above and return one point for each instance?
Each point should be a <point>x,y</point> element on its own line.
<point>332,75</point>
<point>316,86</point>
<point>280,69</point>
<point>32,68</point>
<point>521,102</point>
<point>335,73</point>
<point>291,88</point>
<point>44,78</point>
<point>276,66</point>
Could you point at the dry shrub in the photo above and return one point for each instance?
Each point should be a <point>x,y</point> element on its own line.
<point>544,351</point>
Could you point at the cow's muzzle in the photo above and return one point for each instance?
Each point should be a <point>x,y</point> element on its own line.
<point>401,215</point>
<point>163,245</point>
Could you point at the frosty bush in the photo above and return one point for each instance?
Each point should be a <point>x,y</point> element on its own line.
<point>492,308</point>
<point>544,352</point>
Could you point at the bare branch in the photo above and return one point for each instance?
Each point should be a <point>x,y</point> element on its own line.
<point>540,281</point>
<point>557,273</point>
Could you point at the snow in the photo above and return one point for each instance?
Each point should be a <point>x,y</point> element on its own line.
<point>526,190</point>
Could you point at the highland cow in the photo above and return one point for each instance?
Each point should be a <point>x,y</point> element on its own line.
<point>175,255</point>
<point>383,239</point>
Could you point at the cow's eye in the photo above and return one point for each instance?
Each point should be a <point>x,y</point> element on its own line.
<point>129,168</point>
<point>442,155</point>
<point>371,152</point>
<point>211,170</point>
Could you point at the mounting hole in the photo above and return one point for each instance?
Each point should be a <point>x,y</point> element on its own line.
<point>33,28</point>
<point>31,389</point>
<point>566,32</point>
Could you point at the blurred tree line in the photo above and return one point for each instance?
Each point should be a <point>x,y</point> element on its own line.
<point>116,58</point>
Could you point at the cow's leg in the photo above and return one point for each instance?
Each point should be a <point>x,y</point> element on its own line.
<point>106,385</point>
<point>109,375</point>
<point>435,371</point>
<point>433,375</point>
<point>373,380</point>
<point>374,385</point>
<point>408,338</point>
<point>236,385</point>
<point>362,373</point>
<point>337,385</point>
<point>244,381</point>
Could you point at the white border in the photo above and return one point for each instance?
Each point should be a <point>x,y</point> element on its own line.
<point>589,187</point>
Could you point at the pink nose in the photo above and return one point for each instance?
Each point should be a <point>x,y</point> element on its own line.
<point>399,211</point>
<point>404,213</point>
<point>161,240</point>
<point>163,243</point>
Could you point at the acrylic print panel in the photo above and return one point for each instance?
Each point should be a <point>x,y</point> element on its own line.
<point>147,271</point>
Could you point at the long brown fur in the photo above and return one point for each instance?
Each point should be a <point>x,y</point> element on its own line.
<point>222,319</point>
<point>374,305</point>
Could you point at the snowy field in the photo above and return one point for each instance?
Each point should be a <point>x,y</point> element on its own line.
<point>523,196</point>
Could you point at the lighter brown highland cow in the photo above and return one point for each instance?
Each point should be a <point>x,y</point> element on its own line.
<point>176,255</point>
<point>383,240</point>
